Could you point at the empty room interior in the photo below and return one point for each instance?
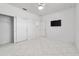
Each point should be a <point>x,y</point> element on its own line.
<point>39,29</point>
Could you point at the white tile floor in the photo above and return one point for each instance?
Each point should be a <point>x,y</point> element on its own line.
<point>39,47</point>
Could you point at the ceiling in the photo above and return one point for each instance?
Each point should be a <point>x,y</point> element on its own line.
<point>48,8</point>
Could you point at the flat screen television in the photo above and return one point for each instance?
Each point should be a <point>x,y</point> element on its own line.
<point>56,23</point>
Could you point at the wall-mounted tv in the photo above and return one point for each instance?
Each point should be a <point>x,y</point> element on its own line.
<point>56,23</point>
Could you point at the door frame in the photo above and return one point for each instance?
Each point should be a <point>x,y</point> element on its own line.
<point>13,36</point>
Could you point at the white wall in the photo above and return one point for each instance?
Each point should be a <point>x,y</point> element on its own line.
<point>77,26</point>
<point>65,33</point>
<point>19,13</point>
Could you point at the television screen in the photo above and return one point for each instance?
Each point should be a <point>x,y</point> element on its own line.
<point>56,23</point>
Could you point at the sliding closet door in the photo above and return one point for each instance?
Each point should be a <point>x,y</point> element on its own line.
<point>24,29</point>
<point>6,29</point>
<point>21,29</point>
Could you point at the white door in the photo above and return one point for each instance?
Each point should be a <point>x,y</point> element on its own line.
<point>24,29</point>
<point>30,30</point>
<point>6,29</point>
<point>21,29</point>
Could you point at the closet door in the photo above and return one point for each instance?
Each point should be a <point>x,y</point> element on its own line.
<point>24,29</point>
<point>6,29</point>
<point>21,29</point>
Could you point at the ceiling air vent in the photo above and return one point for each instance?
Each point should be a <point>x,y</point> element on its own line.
<point>24,9</point>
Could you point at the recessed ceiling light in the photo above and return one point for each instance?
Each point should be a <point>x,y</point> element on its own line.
<point>41,6</point>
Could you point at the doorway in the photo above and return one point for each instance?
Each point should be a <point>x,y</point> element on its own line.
<point>6,29</point>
